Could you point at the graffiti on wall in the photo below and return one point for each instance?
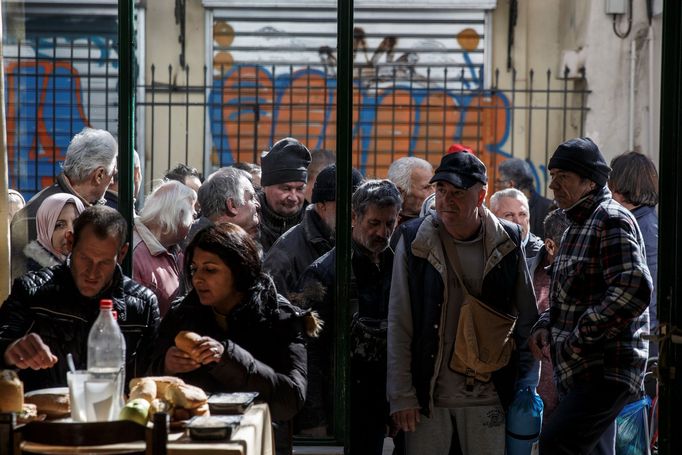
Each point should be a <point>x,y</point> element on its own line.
<point>397,111</point>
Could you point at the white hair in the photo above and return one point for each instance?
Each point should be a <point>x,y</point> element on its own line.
<point>170,207</point>
<point>87,151</point>
<point>512,193</point>
<point>400,171</point>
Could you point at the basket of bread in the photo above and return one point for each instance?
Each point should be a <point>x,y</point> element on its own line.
<point>149,395</point>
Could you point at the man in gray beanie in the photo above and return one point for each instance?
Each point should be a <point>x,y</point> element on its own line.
<point>285,174</point>
<point>599,293</point>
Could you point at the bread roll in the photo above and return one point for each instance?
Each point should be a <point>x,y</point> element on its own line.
<point>145,388</point>
<point>162,383</point>
<point>159,405</point>
<point>54,405</point>
<point>186,341</point>
<point>202,410</point>
<point>28,414</point>
<point>11,392</point>
<point>185,396</point>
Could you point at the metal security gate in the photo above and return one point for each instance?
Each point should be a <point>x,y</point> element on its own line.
<point>416,72</point>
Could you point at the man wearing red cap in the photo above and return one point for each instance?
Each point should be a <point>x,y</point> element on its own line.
<point>460,249</point>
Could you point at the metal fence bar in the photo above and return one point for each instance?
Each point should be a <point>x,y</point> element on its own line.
<point>396,112</point>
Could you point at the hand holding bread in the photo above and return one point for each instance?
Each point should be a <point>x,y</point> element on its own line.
<point>202,350</point>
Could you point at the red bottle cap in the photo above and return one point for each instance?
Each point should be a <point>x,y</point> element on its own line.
<point>106,304</point>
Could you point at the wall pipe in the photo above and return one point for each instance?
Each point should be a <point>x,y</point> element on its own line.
<point>631,97</point>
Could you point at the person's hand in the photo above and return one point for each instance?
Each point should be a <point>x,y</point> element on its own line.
<point>177,361</point>
<point>407,419</point>
<point>539,344</point>
<point>30,352</point>
<point>207,351</point>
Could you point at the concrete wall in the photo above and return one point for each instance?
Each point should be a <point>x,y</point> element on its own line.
<point>546,28</point>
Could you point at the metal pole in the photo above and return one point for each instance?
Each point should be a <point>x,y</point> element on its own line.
<point>670,316</point>
<point>344,119</point>
<point>126,118</point>
<point>4,182</point>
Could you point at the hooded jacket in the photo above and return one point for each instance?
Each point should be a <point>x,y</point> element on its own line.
<point>48,303</point>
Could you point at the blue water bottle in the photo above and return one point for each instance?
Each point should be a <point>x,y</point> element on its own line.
<point>524,421</point>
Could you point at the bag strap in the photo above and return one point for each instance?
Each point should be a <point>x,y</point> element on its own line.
<point>449,250</point>
<point>454,269</point>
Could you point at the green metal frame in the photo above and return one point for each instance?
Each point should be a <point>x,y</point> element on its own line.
<point>670,165</point>
<point>344,137</point>
<point>126,117</point>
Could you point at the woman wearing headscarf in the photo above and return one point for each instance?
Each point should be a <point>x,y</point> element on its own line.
<point>54,219</point>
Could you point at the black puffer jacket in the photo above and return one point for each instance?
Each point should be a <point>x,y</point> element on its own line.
<point>47,302</point>
<point>264,350</point>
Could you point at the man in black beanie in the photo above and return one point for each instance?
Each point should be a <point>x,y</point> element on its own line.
<point>297,248</point>
<point>599,294</point>
<point>285,173</point>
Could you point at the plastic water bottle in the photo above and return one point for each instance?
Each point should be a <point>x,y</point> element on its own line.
<point>524,422</point>
<point>106,366</point>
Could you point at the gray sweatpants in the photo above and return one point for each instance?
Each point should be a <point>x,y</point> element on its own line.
<point>480,429</point>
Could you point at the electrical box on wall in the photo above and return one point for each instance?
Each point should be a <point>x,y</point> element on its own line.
<point>616,6</point>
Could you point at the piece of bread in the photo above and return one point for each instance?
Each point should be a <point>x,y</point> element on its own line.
<point>186,341</point>
<point>162,383</point>
<point>29,413</point>
<point>145,388</point>
<point>202,410</point>
<point>185,396</point>
<point>159,405</point>
<point>54,405</point>
<point>11,392</point>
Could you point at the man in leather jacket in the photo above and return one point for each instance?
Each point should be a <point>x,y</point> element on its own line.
<point>49,313</point>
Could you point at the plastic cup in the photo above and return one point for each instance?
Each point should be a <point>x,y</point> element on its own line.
<point>76,382</point>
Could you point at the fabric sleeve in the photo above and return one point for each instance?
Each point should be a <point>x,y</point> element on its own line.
<point>15,318</point>
<point>399,387</point>
<point>529,368</point>
<point>628,282</point>
<point>284,390</point>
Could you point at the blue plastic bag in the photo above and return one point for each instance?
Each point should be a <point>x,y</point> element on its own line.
<point>524,421</point>
<point>632,431</point>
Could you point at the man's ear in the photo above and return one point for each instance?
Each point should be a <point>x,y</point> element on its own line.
<point>550,246</point>
<point>353,218</point>
<point>122,252</point>
<point>481,195</point>
<point>230,207</point>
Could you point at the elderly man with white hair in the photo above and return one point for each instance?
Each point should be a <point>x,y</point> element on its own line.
<point>512,205</point>
<point>88,169</point>
<point>412,176</point>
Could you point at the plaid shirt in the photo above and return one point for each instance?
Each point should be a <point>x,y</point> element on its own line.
<point>600,291</point>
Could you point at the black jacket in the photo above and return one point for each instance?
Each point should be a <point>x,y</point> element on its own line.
<point>538,206</point>
<point>369,290</point>
<point>264,351</point>
<point>272,225</point>
<point>48,303</point>
<point>296,249</point>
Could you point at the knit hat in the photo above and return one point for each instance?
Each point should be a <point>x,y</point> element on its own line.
<point>582,156</point>
<point>325,185</point>
<point>287,161</point>
<point>461,168</point>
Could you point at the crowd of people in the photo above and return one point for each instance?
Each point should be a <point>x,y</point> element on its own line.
<point>246,258</point>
